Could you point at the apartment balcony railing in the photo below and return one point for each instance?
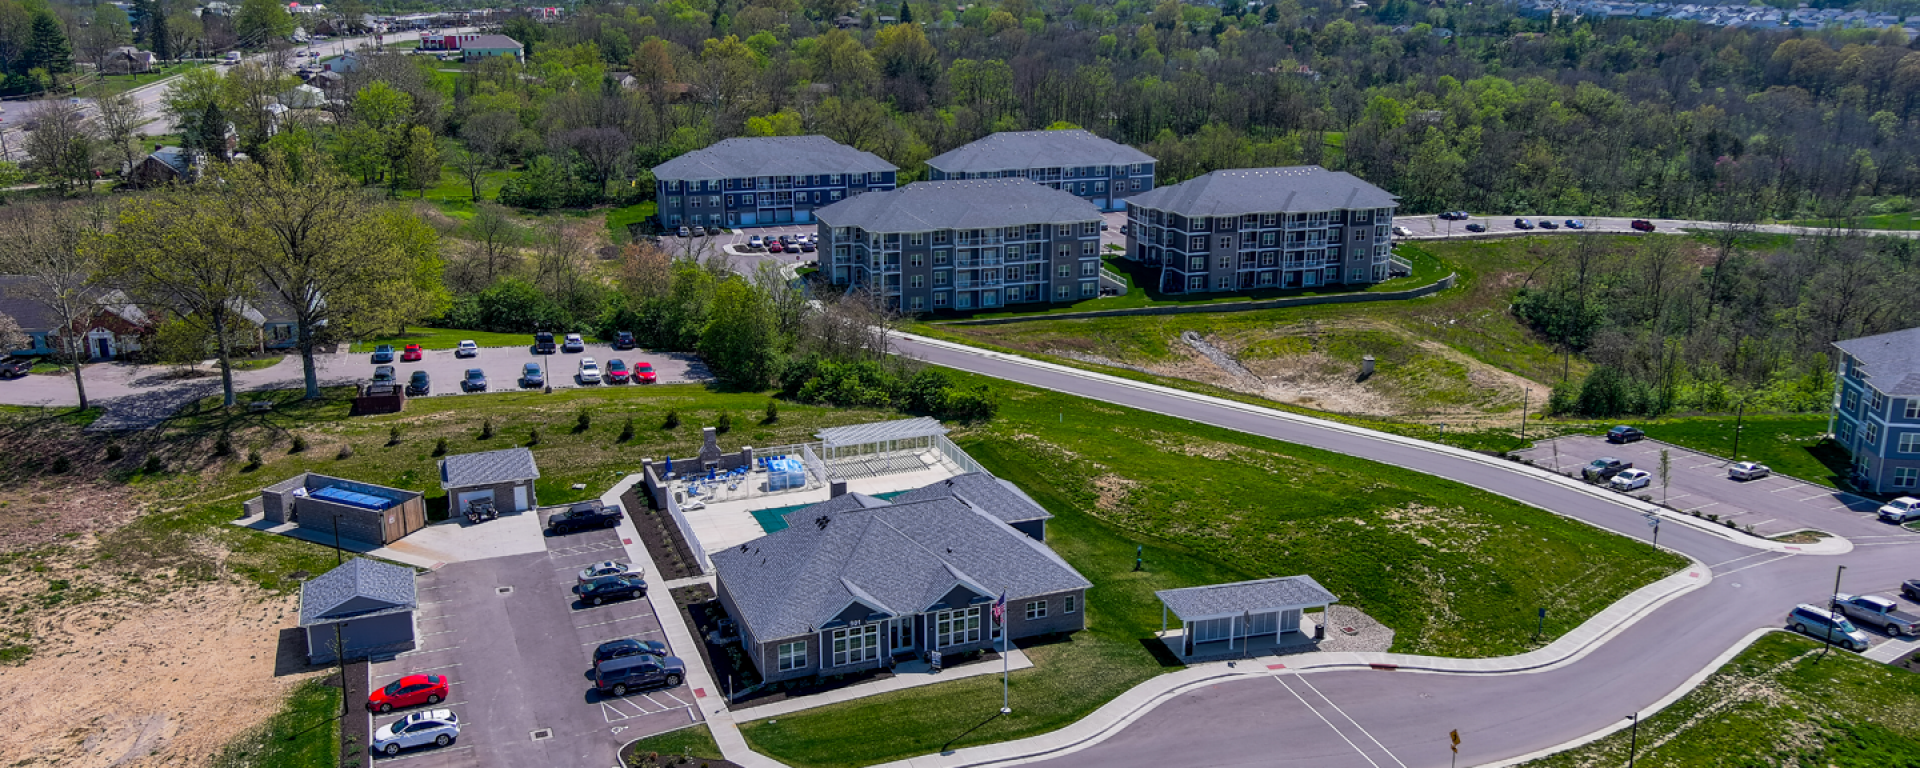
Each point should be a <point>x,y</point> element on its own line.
<point>980,283</point>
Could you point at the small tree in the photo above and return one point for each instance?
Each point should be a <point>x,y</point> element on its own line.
<point>299,444</point>
<point>583,423</point>
<point>153,465</point>
<point>486,429</point>
<point>773,412</point>
<point>223,446</point>
<point>725,424</point>
<point>673,420</point>
<point>253,460</point>
<point>626,430</point>
<point>533,437</point>
<point>393,435</point>
<point>1666,473</point>
<point>440,447</point>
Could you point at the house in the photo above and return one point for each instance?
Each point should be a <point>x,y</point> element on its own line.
<point>669,91</point>
<point>472,46</point>
<point>857,582</point>
<point>113,329</point>
<point>303,97</point>
<point>1876,410</point>
<point>1217,616</point>
<point>362,609</point>
<point>344,63</point>
<point>127,60</point>
<point>761,180</point>
<point>1251,228</point>
<point>1104,172</point>
<point>363,512</point>
<point>330,82</point>
<point>504,477</point>
<point>980,243</point>
<point>165,166</point>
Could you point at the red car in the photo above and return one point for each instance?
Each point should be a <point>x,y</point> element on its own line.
<point>1643,225</point>
<point>411,354</point>
<point>774,246</point>
<point>643,372</point>
<point>409,691</point>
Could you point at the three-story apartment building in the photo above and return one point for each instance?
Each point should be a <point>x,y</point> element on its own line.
<point>960,245</point>
<point>763,180</point>
<point>1104,172</point>
<point>1253,228</point>
<point>1876,410</point>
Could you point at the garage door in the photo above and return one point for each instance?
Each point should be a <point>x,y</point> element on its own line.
<point>460,500</point>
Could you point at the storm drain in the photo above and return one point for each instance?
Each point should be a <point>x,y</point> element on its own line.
<point>503,590</point>
<point>543,734</point>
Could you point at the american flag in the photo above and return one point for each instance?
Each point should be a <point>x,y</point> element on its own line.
<point>1000,606</point>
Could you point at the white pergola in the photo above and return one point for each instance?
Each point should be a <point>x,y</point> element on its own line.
<point>882,436</point>
<point>1241,611</point>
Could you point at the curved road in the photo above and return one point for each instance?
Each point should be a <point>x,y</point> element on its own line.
<point>1388,719</point>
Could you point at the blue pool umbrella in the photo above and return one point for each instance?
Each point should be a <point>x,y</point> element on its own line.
<point>669,466</point>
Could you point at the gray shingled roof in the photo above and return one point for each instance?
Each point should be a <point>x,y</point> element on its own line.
<point>32,315</point>
<point>847,502</point>
<point>1889,359</point>
<point>1245,596</point>
<point>1011,150</point>
<point>1237,192</point>
<point>490,41</point>
<point>992,495</point>
<point>358,589</point>
<point>770,156</point>
<point>897,559</point>
<point>467,470</point>
<point>972,204</point>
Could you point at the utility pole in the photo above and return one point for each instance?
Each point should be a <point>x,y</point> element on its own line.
<point>1525,400</point>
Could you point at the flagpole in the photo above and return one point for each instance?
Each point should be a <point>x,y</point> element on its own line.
<point>1006,702</point>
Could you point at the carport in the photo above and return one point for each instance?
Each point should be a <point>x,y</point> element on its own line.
<point>1243,613</point>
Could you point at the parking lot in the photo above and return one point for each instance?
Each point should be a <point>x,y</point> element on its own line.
<point>1773,505</point>
<point>744,261</point>
<point>503,366</point>
<point>517,650</point>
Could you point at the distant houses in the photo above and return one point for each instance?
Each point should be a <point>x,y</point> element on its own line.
<point>1723,15</point>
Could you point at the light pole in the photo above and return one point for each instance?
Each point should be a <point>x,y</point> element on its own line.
<point>1739,422</point>
<point>1832,602</point>
<point>1633,741</point>
<point>1525,400</point>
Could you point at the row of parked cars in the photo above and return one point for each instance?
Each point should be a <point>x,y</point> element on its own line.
<point>1840,623</point>
<point>782,243</point>
<point>532,375</point>
<point>626,665</point>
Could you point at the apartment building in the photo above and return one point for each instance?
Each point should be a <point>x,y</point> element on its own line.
<point>764,180</point>
<point>1103,172</point>
<point>961,245</point>
<point>1876,410</point>
<point>1253,228</point>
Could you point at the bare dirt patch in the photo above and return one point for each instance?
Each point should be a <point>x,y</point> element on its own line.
<point>1111,491</point>
<point>41,511</point>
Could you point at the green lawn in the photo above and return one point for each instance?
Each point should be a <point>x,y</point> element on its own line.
<point>109,85</point>
<point>619,219</point>
<point>1891,221</point>
<point>454,197</point>
<point>1210,505</point>
<point>1778,703</point>
<point>305,733</point>
<point>258,363</point>
<point>1791,444</point>
<point>444,338</point>
<point>695,741</point>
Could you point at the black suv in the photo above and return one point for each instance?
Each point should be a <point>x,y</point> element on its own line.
<point>619,676</point>
<point>419,384</point>
<point>584,515</point>
<point>620,649</point>
<point>607,588</point>
<point>543,343</point>
<point>1624,434</point>
<point>623,340</point>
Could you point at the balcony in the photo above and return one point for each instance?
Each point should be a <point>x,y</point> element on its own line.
<point>985,261</point>
<point>981,283</point>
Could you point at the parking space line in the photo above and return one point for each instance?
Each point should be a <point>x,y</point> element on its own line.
<point>1758,564</point>
<point>1763,522</point>
<point>676,698</point>
<point>1681,496</point>
<point>1708,504</point>
<point>611,621</point>
<point>423,753</point>
<point>1702,466</point>
<point>438,668</point>
<point>630,634</point>
<point>1817,496</point>
<point>1790,487</point>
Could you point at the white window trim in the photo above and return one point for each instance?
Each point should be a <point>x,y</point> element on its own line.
<point>1036,610</point>
<point>792,655</point>
<point>1069,605</point>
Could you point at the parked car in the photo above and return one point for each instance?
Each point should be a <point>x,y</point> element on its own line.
<point>1910,589</point>
<point>467,349</point>
<point>1548,224</point>
<point>411,354</point>
<point>1476,227</point>
<point>384,375</point>
<point>643,373</point>
<point>1643,225</point>
<point>807,246</point>
<point>1631,480</point>
<point>438,727</point>
<point>786,239</point>
<point>573,344</point>
<point>15,367</point>
<point>1900,510</point>
<point>531,376</point>
<point>1748,470</point>
<point>617,372</point>
<point>684,232</point>
<point>1453,216</point>
<point>589,372</point>
<point>608,568</point>
<point>1624,434</point>
<point>409,691</point>
<point>618,676</point>
<point>620,649</point>
<point>582,516</point>
<point>699,231</point>
<point>1878,612</point>
<point>1123,228</point>
<point>1400,231</point>
<point>606,588</point>
<point>1576,224</point>
<point>1604,468</point>
<point>755,243</point>
<point>474,381</point>
<point>543,343</point>
<point>774,246</point>
<point>623,340</point>
<point>1522,224</point>
<point>1826,625</point>
<point>383,353</point>
<point>419,384</point>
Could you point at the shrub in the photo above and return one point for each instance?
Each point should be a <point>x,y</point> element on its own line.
<point>346,452</point>
<point>976,404</point>
<point>223,446</point>
<point>253,460</point>
<point>114,452</point>
<point>61,465</point>
<point>626,430</point>
<point>486,429</point>
<point>583,423</point>
<point>725,424</point>
<point>299,444</point>
<point>673,420</point>
<point>393,435</point>
<point>153,465</point>
<point>533,437</point>
<point>773,413</point>
<point>440,447</point>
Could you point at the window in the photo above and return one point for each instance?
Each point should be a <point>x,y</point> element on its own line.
<point>1333,235</point>
<point>1223,262</point>
<point>956,627</point>
<point>1879,401</point>
<point>1066,271</point>
<point>1870,432</point>
<point>673,220</point>
<point>1266,278</point>
<point>940,299</point>
<point>1226,241</point>
<point>1089,268</point>
<point>1910,442</point>
<point>673,202</point>
<point>916,302</point>
<point>1913,408</point>
<point>917,238</point>
<point>941,257</point>
<point>1099,187</point>
<point>916,259</point>
<point>1089,248</point>
<point>1036,610</point>
<point>1060,292</point>
<point>940,236</point>
<point>917,281</point>
<point>1090,228</point>
<point>835,195</point>
<point>673,186</point>
<point>1197,264</point>
<point>1063,230</point>
<point>1223,283</point>
<point>1067,604</point>
<point>1851,401</point>
<point>1066,251</point>
<point>1844,431</point>
<point>856,644</point>
<point>1089,290</point>
<point>1904,477</point>
<point>793,655</point>
<point>1196,283</point>
<point>1136,185</point>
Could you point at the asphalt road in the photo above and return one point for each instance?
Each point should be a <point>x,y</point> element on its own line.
<point>1430,227</point>
<point>1386,719</point>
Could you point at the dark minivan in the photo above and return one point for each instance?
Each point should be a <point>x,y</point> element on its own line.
<point>628,673</point>
<point>1624,434</point>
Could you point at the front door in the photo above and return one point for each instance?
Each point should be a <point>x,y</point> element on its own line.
<point>519,498</point>
<point>105,348</point>
<point>901,634</point>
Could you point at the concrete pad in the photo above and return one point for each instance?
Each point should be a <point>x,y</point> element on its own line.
<point>727,520</point>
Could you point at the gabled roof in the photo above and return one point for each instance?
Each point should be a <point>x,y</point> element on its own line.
<point>360,588</point>
<point>1888,359</point>
<point>1297,189</point>
<point>990,494</point>
<point>1239,597</point>
<point>740,158</point>
<point>466,470</point>
<point>898,558</point>
<point>34,316</point>
<point>1009,150</point>
<point>971,204</point>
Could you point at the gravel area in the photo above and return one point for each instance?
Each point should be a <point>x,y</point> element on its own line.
<point>1369,636</point>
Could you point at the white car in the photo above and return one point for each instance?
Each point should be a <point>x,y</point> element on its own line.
<point>467,349</point>
<point>438,727</point>
<point>610,568</point>
<point>573,343</point>
<point>1631,479</point>
<point>1748,470</point>
<point>1900,510</point>
<point>1402,232</point>
<point>755,243</point>
<point>589,371</point>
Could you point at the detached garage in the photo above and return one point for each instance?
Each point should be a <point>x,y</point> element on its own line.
<point>503,477</point>
<point>362,609</point>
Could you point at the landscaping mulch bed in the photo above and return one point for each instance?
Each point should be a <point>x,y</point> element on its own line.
<point>702,612</point>
<point>657,531</point>
<point>1909,662</point>
<point>356,729</point>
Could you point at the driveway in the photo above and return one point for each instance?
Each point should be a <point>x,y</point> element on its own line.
<point>518,652</point>
<point>1773,505</point>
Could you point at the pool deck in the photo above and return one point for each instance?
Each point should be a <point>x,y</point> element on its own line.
<point>729,523</point>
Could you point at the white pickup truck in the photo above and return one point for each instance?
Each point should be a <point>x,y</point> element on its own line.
<point>1881,612</point>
